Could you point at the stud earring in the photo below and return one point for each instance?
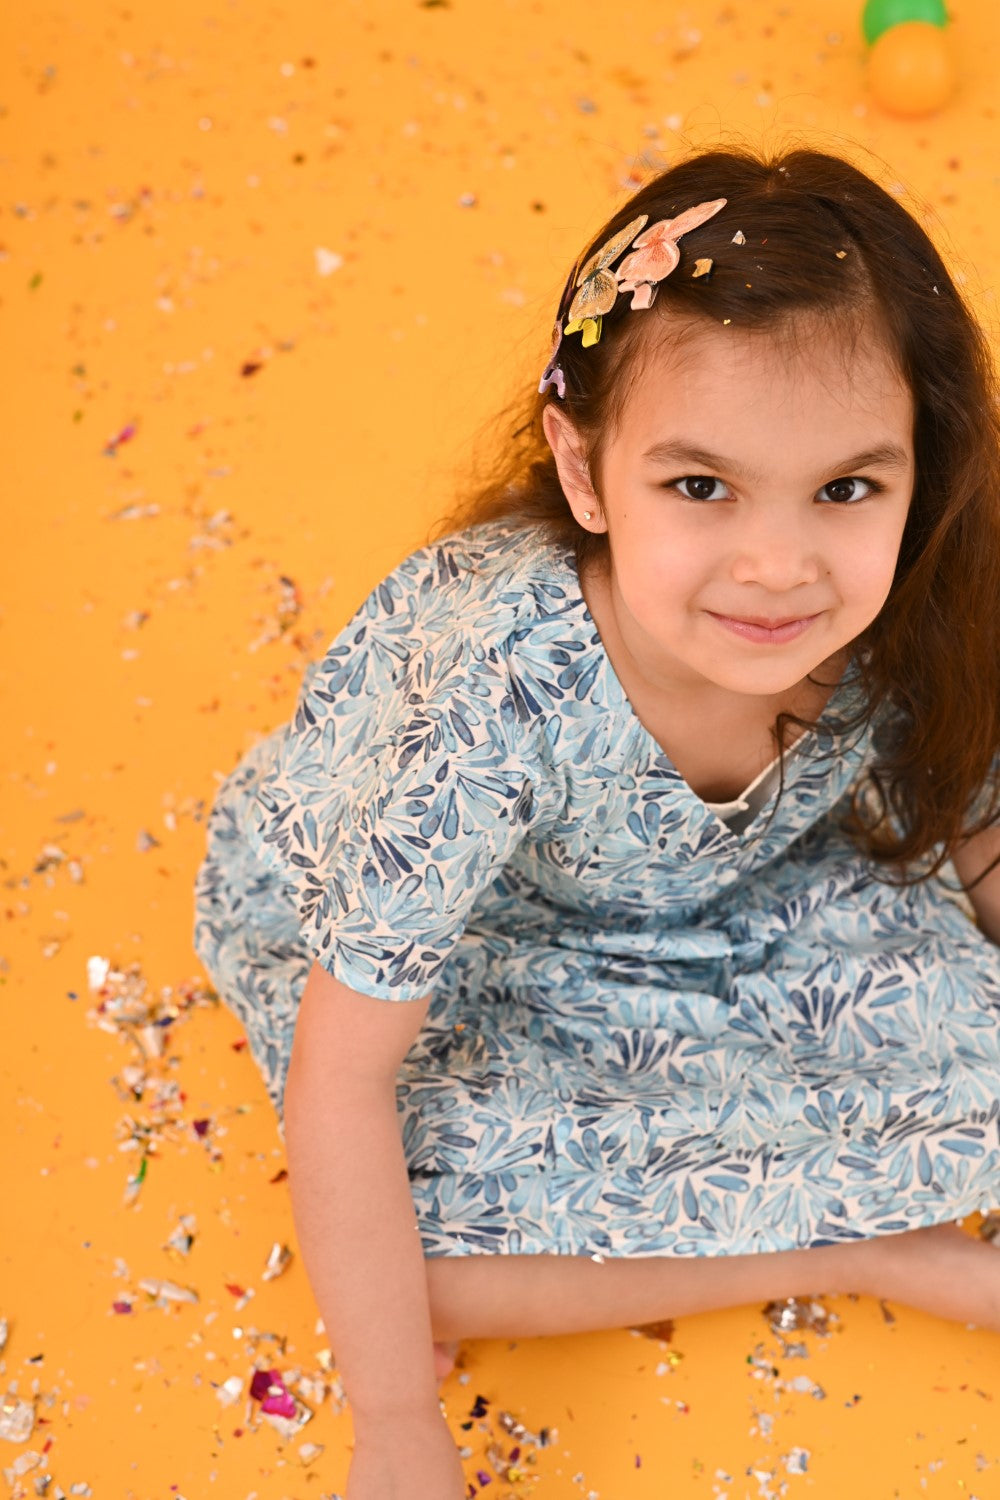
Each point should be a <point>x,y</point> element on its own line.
<point>588,515</point>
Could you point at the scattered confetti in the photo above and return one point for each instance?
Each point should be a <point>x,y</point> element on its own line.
<point>269,1389</point>
<point>97,972</point>
<point>230,1391</point>
<point>989,1228</point>
<point>797,1462</point>
<point>17,1419</point>
<point>278,1405</point>
<point>799,1312</point>
<point>803,1384</point>
<point>277,1262</point>
<point>512,1465</point>
<point>664,1331</point>
<point>134,513</point>
<point>125,436</point>
<point>327,261</point>
<point>288,610</point>
<point>182,1238</point>
<point>126,1005</point>
<point>164,1292</point>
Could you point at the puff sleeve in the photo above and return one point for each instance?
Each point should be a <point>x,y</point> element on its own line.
<point>403,784</point>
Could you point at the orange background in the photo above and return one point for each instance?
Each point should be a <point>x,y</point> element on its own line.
<point>169,174</point>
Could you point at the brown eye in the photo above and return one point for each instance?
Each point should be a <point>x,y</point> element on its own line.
<point>701,485</point>
<point>845,491</point>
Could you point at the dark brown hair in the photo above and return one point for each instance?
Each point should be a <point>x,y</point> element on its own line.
<point>821,238</point>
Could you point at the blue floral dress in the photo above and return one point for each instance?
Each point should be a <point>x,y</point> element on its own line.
<point>648,1035</point>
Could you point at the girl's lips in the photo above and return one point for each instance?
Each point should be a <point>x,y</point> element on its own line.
<point>762,633</point>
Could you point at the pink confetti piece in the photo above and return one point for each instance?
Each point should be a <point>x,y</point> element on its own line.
<point>279,1404</point>
<point>125,436</point>
<point>267,1387</point>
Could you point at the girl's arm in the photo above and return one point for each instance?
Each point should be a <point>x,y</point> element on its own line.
<point>969,859</point>
<point>351,1200</point>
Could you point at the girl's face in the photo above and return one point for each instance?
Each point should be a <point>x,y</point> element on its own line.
<point>754,498</point>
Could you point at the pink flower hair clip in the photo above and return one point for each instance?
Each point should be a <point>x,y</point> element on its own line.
<point>654,254</point>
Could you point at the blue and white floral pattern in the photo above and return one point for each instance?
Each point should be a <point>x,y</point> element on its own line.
<point>647,1035</point>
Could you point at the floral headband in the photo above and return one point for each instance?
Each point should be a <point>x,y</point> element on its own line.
<point>654,255</point>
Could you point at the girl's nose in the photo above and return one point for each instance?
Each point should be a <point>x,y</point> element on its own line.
<point>778,556</point>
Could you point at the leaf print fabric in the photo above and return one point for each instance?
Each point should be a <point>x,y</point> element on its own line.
<point>430,799</point>
<point>647,1035</point>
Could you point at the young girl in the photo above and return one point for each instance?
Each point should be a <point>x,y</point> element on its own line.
<point>635,796</point>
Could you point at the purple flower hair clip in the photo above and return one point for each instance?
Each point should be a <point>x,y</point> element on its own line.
<point>592,293</point>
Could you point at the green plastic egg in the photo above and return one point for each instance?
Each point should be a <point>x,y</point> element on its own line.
<point>879,15</point>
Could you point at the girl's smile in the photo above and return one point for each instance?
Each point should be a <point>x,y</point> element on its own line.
<point>765,632</point>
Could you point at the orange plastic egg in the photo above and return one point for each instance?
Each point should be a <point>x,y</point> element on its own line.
<point>911,70</point>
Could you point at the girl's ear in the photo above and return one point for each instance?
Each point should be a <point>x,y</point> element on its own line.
<point>571,466</point>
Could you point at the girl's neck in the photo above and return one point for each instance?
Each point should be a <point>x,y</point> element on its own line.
<point>718,740</point>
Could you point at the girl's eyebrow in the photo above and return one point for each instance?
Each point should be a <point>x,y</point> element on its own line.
<point>888,456</point>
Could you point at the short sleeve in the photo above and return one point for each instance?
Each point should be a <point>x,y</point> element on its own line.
<point>402,786</point>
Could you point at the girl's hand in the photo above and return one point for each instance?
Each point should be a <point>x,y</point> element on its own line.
<point>406,1458</point>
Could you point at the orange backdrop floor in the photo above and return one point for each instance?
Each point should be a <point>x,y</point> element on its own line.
<point>265,272</point>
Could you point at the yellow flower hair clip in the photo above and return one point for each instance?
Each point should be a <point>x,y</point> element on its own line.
<point>597,287</point>
<point>654,255</point>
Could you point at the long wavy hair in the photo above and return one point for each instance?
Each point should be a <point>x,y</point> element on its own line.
<point>822,238</point>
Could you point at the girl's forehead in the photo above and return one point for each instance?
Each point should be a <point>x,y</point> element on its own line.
<point>705,370</point>
<point>792,344</point>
